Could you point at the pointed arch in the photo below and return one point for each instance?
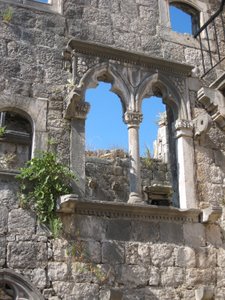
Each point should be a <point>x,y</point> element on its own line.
<point>158,85</point>
<point>107,73</point>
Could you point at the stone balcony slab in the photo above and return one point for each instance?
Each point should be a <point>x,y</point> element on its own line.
<point>70,204</point>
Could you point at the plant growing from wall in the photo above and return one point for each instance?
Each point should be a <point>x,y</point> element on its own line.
<point>2,131</point>
<point>147,159</point>
<point>7,14</point>
<point>43,180</point>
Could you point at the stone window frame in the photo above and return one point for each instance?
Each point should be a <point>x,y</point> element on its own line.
<point>54,6</point>
<point>165,30</point>
<point>19,284</point>
<point>35,111</point>
<point>155,75</point>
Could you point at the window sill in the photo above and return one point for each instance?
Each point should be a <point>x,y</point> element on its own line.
<point>184,39</point>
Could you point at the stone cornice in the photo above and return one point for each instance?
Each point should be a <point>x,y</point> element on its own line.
<point>70,205</point>
<point>135,58</point>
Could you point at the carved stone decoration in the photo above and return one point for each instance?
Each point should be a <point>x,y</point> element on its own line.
<point>183,128</point>
<point>75,107</point>
<point>202,124</point>
<point>214,102</point>
<point>133,118</point>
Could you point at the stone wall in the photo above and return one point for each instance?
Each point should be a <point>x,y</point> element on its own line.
<point>108,250</point>
<point>108,179</point>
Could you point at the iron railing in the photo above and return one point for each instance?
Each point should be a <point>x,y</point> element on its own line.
<point>213,30</point>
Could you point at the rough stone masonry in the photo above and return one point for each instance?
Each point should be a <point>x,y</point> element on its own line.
<point>134,228</point>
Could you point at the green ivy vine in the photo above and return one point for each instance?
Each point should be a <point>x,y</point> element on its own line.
<point>42,181</point>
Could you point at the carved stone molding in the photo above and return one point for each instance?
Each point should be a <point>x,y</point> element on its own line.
<point>124,210</point>
<point>214,102</point>
<point>76,108</point>
<point>110,53</point>
<point>133,118</point>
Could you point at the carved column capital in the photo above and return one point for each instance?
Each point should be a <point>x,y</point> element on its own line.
<point>133,118</point>
<point>183,128</point>
<point>76,108</point>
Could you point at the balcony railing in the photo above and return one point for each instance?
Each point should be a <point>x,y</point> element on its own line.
<point>211,37</point>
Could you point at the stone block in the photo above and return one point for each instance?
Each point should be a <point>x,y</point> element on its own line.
<point>220,275</point>
<point>172,276</point>
<point>39,278</point>
<point>82,272</point>
<point>26,254</point>
<point>2,251</point>
<point>119,230</point>
<point>154,276</point>
<point>196,277</point>
<point>87,227</point>
<point>113,252</point>
<point>165,293</point>
<point>85,291</point>
<point>162,255</point>
<point>213,235</point>
<point>145,231</point>
<point>171,232</point>
<point>3,219</point>
<point>57,271</point>
<point>129,275</point>
<point>221,257</point>
<point>137,253</point>
<point>21,221</point>
<point>185,257</point>
<point>111,294</point>
<point>194,235</point>
<point>206,257</point>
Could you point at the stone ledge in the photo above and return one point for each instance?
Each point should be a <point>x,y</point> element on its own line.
<point>136,58</point>
<point>70,204</point>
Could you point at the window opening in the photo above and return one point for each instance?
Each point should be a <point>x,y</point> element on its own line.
<point>15,140</point>
<point>152,110</point>
<point>184,18</point>
<point>104,127</point>
<point>159,172</point>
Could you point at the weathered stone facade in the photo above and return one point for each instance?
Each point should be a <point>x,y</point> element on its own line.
<point>117,243</point>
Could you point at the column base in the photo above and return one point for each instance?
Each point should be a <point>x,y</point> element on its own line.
<point>135,198</point>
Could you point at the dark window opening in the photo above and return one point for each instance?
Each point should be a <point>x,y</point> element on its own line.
<point>15,140</point>
<point>184,18</point>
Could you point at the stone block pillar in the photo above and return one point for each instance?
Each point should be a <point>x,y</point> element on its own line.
<point>185,164</point>
<point>133,120</point>
<point>77,111</point>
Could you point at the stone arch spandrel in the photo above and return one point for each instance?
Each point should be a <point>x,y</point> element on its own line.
<point>158,84</point>
<point>108,73</point>
<point>20,285</point>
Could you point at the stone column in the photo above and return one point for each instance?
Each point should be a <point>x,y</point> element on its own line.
<point>76,111</point>
<point>133,120</point>
<point>185,164</point>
